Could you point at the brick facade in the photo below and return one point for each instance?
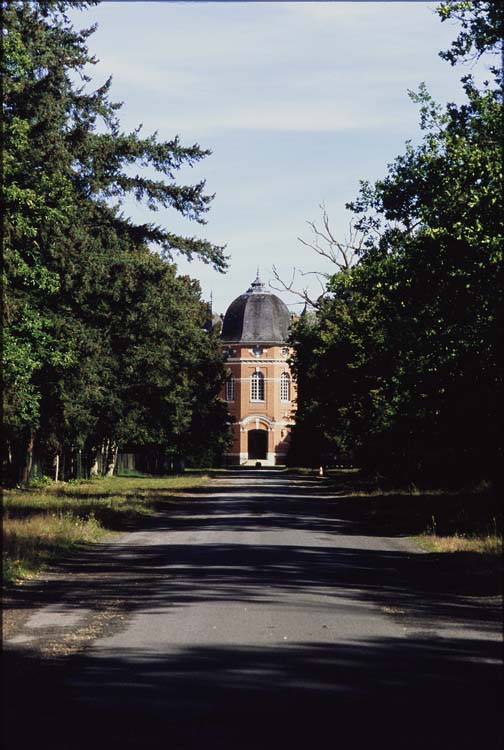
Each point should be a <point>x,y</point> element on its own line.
<point>261,427</point>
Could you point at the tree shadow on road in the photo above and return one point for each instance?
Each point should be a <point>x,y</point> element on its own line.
<point>411,587</point>
<point>385,693</point>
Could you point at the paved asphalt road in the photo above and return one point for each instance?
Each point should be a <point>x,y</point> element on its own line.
<point>257,613</point>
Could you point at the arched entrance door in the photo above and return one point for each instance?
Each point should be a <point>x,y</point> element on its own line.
<point>257,444</point>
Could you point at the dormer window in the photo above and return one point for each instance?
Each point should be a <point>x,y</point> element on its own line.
<point>257,351</point>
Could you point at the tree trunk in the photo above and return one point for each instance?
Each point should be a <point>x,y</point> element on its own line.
<point>25,478</point>
<point>104,457</point>
<point>12,463</point>
<point>56,464</point>
<point>112,458</point>
<point>95,465</point>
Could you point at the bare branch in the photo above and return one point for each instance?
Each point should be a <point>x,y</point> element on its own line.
<point>342,254</point>
<point>284,287</point>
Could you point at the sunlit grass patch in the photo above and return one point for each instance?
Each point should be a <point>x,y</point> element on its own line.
<point>490,544</point>
<point>105,496</point>
<point>129,486</point>
<point>487,542</point>
<point>29,543</point>
<point>43,522</point>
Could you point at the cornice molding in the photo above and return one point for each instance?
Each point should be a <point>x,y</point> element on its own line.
<point>256,361</point>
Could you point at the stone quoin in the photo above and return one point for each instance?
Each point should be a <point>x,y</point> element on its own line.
<point>259,391</point>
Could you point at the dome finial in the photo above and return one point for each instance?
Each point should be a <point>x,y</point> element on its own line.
<point>257,285</point>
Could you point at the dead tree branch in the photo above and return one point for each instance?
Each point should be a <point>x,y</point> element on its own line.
<point>342,254</point>
<point>290,287</point>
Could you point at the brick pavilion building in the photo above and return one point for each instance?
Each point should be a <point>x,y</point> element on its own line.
<point>259,391</point>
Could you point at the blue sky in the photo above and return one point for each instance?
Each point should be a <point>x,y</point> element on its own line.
<point>297,101</point>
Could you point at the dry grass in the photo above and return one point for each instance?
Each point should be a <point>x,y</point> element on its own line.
<point>448,519</point>
<point>466,531</point>
<point>30,543</point>
<point>41,524</point>
<point>490,544</point>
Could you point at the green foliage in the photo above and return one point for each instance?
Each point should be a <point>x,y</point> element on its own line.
<point>39,482</point>
<point>482,28</point>
<point>406,368</point>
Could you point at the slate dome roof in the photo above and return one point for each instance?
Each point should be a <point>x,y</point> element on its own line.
<point>258,317</point>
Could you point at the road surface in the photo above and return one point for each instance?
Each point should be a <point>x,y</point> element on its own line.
<point>261,612</point>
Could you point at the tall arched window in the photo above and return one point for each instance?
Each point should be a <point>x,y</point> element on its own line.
<point>230,389</point>
<point>285,387</point>
<point>257,387</point>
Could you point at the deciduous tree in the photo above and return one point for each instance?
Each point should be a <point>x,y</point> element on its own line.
<point>406,360</point>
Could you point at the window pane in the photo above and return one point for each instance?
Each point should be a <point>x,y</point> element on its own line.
<point>257,387</point>
<point>284,387</point>
<point>230,389</point>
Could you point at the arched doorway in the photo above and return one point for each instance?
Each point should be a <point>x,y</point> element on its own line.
<point>257,444</point>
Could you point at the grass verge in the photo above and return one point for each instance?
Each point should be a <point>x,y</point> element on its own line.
<point>443,520</point>
<point>483,544</point>
<point>41,524</point>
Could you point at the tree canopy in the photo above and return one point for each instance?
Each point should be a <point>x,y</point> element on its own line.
<point>400,366</point>
<point>481,29</point>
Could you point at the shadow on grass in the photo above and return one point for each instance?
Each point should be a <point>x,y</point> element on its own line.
<point>266,502</point>
<point>381,693</point>
<point>116,507</point>
<point>299,502</point>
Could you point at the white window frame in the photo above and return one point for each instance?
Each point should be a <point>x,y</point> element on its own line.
<point>230,388</point>
<point>257,386</point>
<point>285,387</point>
